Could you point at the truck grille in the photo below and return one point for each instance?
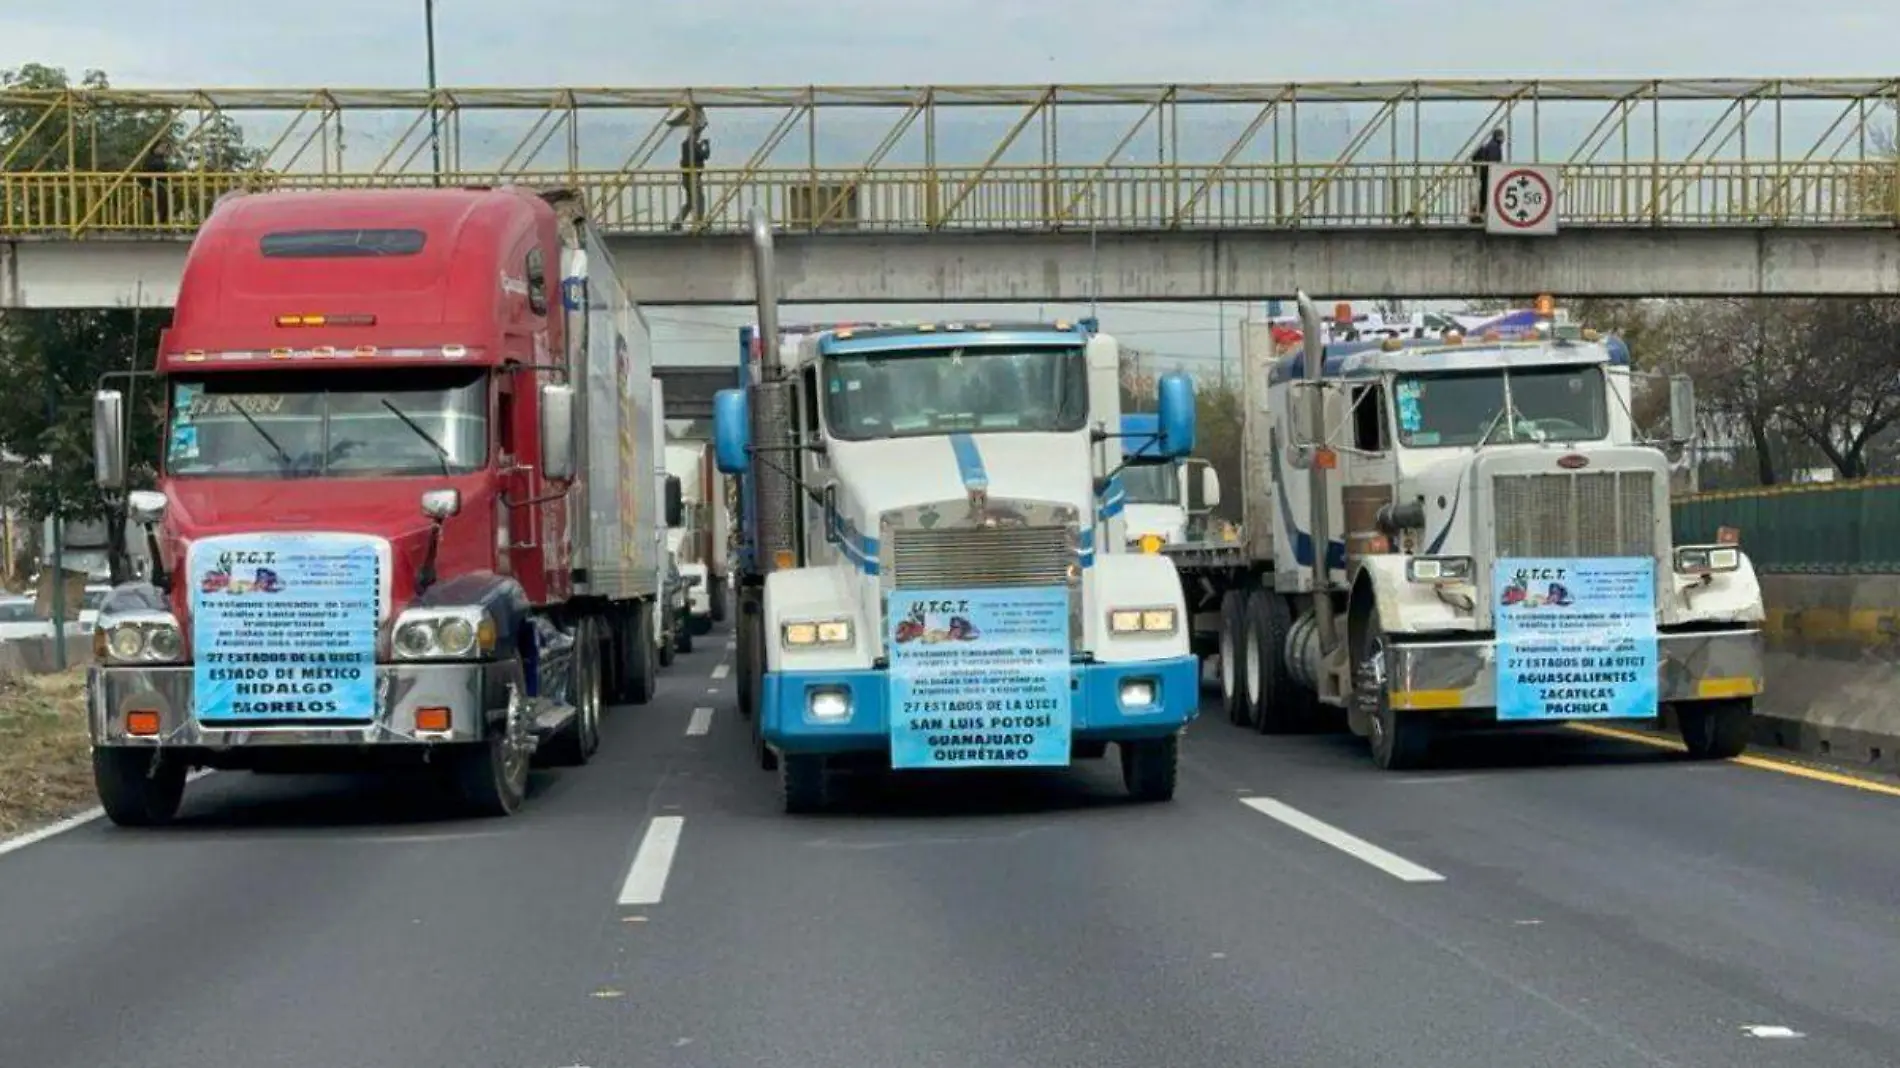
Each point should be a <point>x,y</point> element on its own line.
<point>976,557</point>
<point>1597,513</point>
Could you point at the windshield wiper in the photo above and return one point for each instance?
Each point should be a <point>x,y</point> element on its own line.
<point>262,433</point>
<point>441,453</point>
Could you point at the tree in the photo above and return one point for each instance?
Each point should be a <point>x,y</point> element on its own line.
<point>55,359</point>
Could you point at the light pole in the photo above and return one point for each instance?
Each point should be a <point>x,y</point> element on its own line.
<point>435,118</point>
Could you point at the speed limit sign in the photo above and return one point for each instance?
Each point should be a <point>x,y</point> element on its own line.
<point>1521,200</point>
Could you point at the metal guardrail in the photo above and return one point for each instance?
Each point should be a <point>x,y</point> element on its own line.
<point>1032,198</point>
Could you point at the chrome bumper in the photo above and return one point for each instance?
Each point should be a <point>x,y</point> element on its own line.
<point>474,694</point>
<point>1457,675</point>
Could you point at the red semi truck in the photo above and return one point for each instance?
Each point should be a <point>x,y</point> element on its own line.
<point>404,511</point>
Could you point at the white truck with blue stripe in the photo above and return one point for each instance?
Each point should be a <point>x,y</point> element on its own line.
<point>1497,543</point>
<point>930,570</point>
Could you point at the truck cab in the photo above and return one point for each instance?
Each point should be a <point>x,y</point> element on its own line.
<point>1164,502</point>
<point>933,581</point>
<point>1475,531</point>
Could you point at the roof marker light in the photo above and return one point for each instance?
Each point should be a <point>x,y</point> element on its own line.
<point>280,354</point>
<point>454,352</point>
<point>845,334</point>
<point>1064,324</point>
<point>925,328</point>
<point>1391,344</point>
<point>195,356</point>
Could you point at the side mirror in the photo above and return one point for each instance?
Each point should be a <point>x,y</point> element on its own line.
<point>1681,409</point>
<point>108,439</point>
<point>441,504</point>
<point>1174,395</point>
<point>832,523</point>
<point>147,507</point>
<point>732,432</point>
<point>675,505</point>
<point>1210,488</point>
<point>557,432</point>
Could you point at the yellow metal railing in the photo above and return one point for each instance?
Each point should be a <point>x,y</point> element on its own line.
<point>1035,198</point>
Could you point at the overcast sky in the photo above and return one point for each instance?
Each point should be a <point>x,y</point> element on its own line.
<point>379,43</point>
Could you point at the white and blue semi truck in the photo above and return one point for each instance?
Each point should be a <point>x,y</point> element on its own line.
<point>930,572</point>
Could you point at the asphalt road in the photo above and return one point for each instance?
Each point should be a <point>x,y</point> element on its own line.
<point>1546,900</point>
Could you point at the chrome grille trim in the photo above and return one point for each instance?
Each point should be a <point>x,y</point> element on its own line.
<point>967,557</point>
<point>1576,514</point>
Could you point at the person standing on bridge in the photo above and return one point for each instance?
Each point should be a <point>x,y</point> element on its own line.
<point>1491,151</point>
<point>695,150</point>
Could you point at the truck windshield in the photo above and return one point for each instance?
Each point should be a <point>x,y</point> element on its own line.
<point>333,424</point>
<point>1457,408</point>
<point>1151,484</point>
<point>938,391</point>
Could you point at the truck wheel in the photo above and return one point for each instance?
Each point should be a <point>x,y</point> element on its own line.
<point>751,654</point>
<point>492,776</point>
<point>1233,638</point>
<point>805,782</point>
<point>643,656</point>
<point>716,596</point>
<point>1088,751</point>
<point>1400,740</point>
<point>667,644</point>
<point>1716,730</point>
<point>1151,767</point>
<point>683,637</point>
<point>135,791</point>
<point>577,744</point>
<point>1275,705</point>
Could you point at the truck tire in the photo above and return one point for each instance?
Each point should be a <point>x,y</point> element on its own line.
<point>805,783</point>
<point>1275,703</point>
<point>1233,638</point>
<point>492,776</point>
<point>1400,740</point>
<point>133,790</point>
<point>716,596</point>
<point>642,656</point>
<point>578,743</point>
<point>1716,730</point>
<point>746,641</point>
<point>668,642</point>
<point>1151,767</point>
<point>683,636</point>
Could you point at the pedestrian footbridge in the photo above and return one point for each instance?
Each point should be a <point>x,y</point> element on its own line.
<point>1024,193</point>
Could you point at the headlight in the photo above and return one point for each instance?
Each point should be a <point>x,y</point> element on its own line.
<point>1141,621</point>
<point>1438,569</point>
<point>1703,559</point>
<point>803,634</point>
<point>144,638</point>
<point>442,634</point>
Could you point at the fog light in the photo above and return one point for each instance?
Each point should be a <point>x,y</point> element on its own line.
<point>434,720</point>
<point>141,723</point>
<point>828,705</point>
<point>1137,693</point>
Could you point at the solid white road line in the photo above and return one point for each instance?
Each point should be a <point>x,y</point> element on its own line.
<point>1351,845</point>
<point>722,671</point>
<point>21,841</point>
<point>646,879</point>
<point>700,723</point>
